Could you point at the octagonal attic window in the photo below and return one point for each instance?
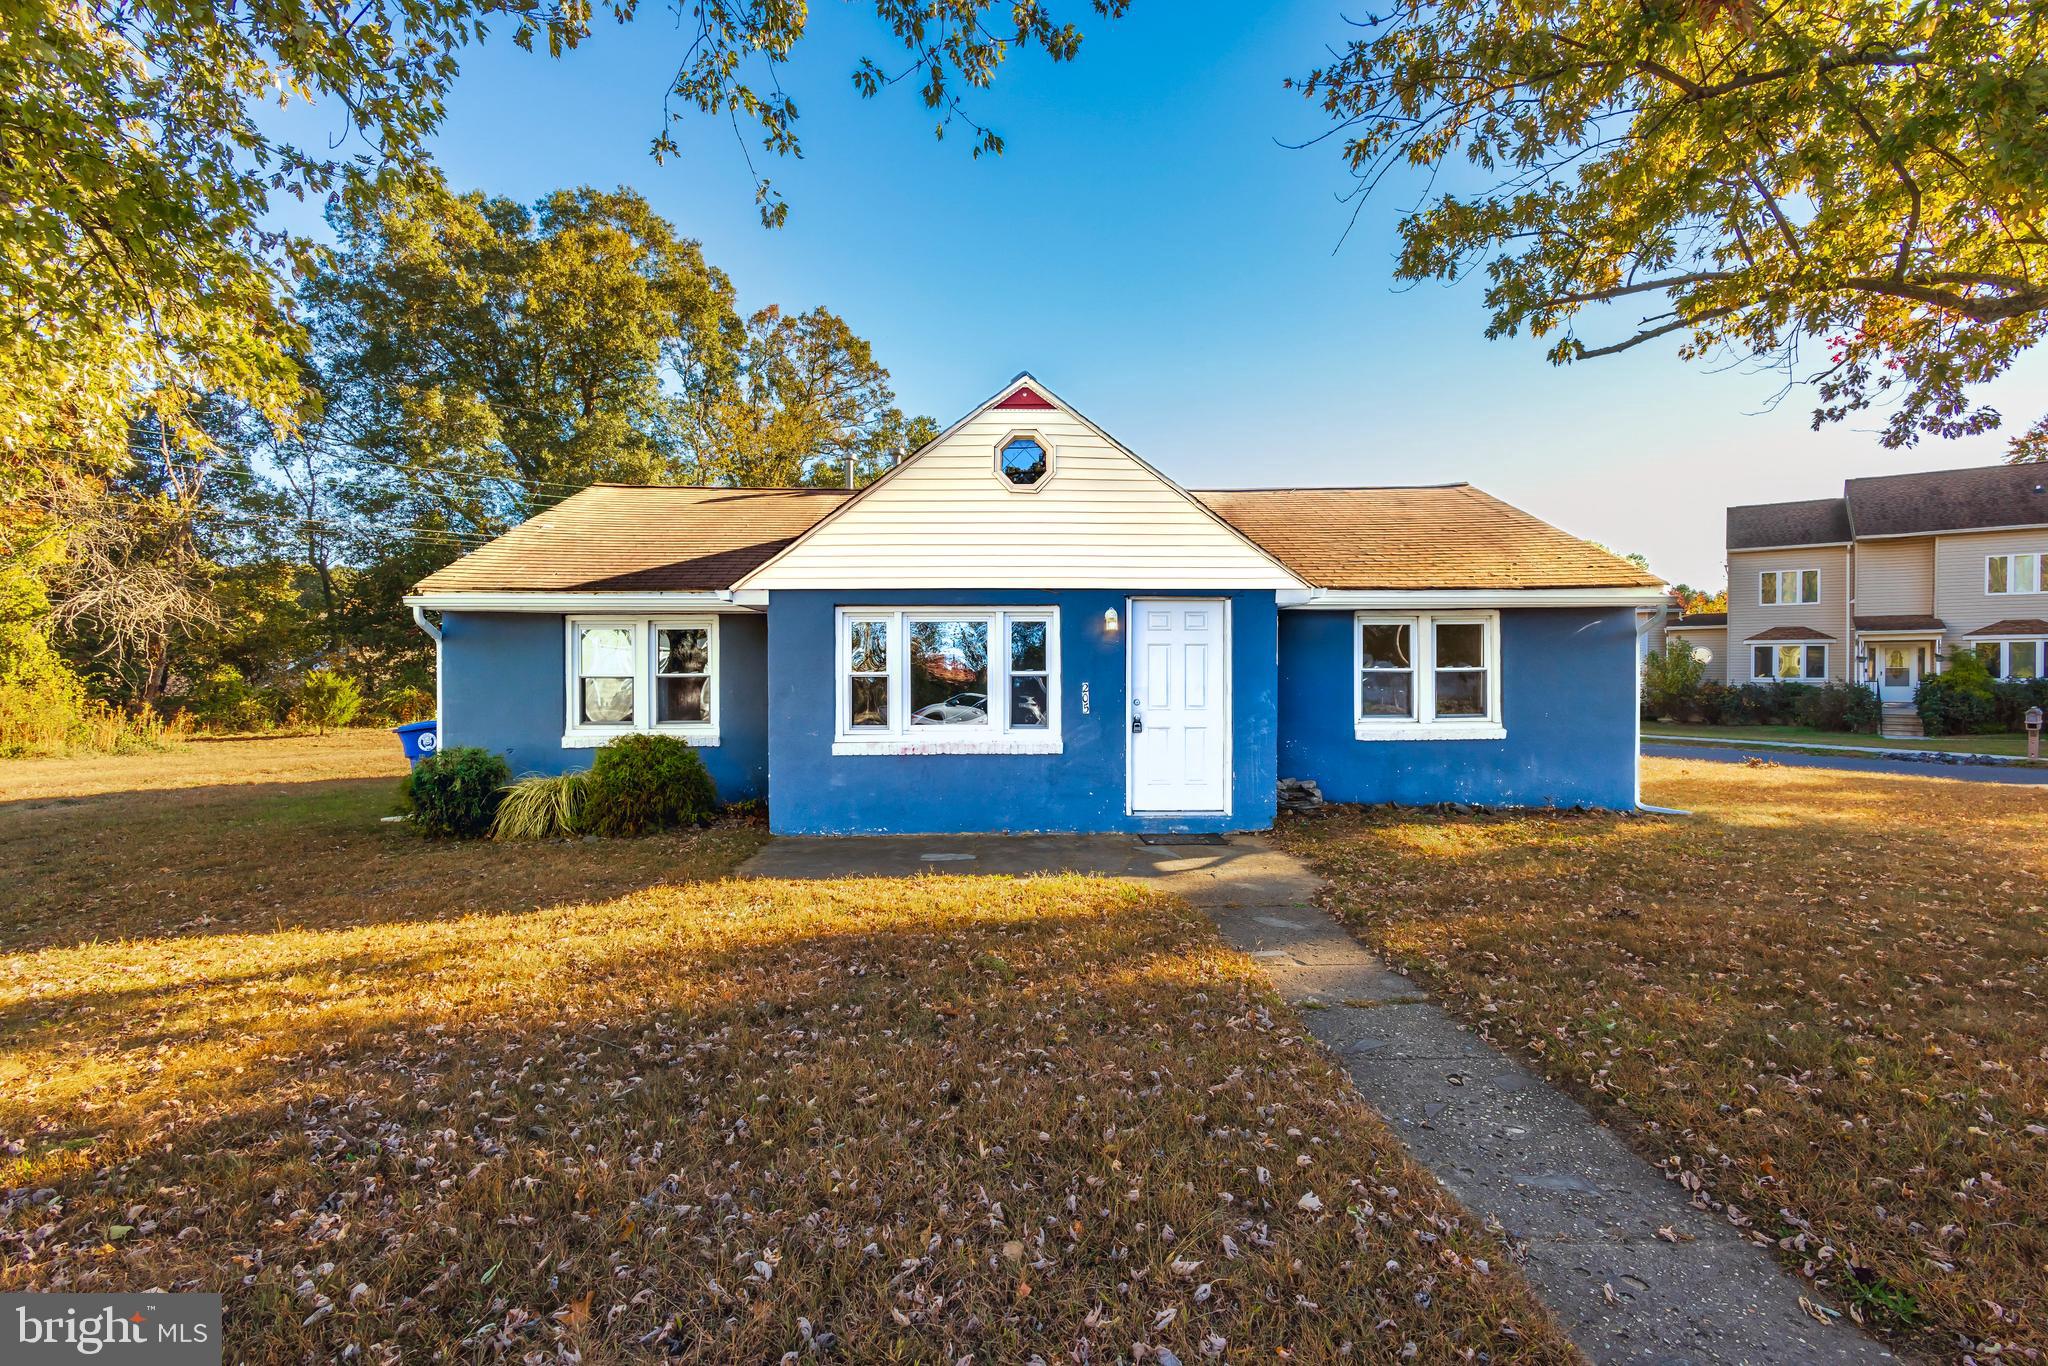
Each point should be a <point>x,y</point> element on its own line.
<point>1022,462</point>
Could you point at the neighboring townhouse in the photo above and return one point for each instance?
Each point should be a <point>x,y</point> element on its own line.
<point>1883,584</point>
<point>1707,634</point>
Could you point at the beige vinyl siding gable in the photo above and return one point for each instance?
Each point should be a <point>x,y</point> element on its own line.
<point>1102,520</point>
<point>1895,577</point>
<point>1747,615</point>
<point>1712,639</point>
<point>1960,599</point>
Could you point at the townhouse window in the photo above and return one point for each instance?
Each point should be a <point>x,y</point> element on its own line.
<point>2015,659</point>
<point>641,675</point>
<point>2013,573</point>
<point>1786,587</point>
<point>1427,676</point>
<point>956,680</point>
<point>1790,663</point>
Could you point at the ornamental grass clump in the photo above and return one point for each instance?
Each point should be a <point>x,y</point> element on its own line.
<point>642,783</point>
<point>537,808</point>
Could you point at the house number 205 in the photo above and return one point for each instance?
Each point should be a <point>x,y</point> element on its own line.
<point>1084,699</point>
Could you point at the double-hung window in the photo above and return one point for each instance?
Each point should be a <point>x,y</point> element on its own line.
<point>1790,663</point>
<point>641,674</point>
<point>1786,587</point>
<point>947,680</point>
<point>1427,676</point>
<point>2013,573</point>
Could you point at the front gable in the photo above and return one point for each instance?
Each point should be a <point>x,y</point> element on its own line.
<point>950,517</point>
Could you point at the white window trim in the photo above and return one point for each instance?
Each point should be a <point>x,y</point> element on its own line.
<point>1827,663</point>
<point>995,463</point>
<point>2011,587</point>
<point>1422,654</point>
<point>993,736</point>
<point>1798,578</point>
<point>575,735</point>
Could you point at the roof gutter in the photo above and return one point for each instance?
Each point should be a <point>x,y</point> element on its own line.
<point>1416,598</point>
<point>419,617</point>
<point>720,600</point>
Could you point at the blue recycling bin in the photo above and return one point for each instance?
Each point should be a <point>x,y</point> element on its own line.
<point>420,739</point>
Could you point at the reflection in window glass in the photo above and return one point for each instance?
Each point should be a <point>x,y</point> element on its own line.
<point>2023,659</point>
<point>604,657</point>
<point>948,672</point>
<point>1023,462</point>
<point>682,667</point>
<point>1386,678</point>
<point>1460,669</point>
<point>1030,700</point>
<point>1816,661</point>
<point>868,669</point>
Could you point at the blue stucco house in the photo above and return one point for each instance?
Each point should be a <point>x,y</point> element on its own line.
<point>1025,627</point>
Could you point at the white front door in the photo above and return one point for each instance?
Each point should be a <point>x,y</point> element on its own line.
<point>1898,672</point>
<point>1180,704</point>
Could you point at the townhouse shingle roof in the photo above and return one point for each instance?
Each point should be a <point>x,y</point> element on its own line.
<point>1699,619</point>
<point>1446,536</point>
<point>1899,623</point>
<point>625,538</point>
<point>1949,500</point>
<point>1816,521</point>
<point>1791,633</point>
<point>2014,626</point>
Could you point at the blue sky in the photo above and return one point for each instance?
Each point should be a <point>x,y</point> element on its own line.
<point>1149,247</point>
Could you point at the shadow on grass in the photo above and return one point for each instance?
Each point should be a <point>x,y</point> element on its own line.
<point>923,1116</point>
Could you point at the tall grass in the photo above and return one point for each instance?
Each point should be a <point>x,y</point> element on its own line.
<point>542,808</point>
<point>51,719</point>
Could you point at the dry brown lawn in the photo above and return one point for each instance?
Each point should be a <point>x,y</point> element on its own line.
<point>601,1101</point>
<point>1822,1000</point>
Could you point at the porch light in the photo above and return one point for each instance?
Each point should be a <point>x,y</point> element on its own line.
<point>1109,620</point>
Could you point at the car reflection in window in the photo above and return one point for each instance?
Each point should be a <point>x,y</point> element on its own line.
<point>961,709</point>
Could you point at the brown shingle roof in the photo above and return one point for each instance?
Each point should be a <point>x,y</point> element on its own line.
<point>1905,623</point>
<point>620,538</point>
<point>2014,626</point>
<point>1791,633</point>
<point>1949,500</point>
<point>1450,536</point>
<point>1700,619</point>
<point>1817,521</point>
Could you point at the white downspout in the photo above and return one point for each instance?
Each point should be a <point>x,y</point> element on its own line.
<point>419,617</point>
<point>1643,628</point>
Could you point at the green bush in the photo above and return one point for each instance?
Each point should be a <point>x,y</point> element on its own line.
<point>404,705</point>
<point>223,700</point>
<point>642,783</point>
<point>539,808</point>
<point>2010,698</point>
<point>328,699</point>
<point>1958,700</point>
<point>456,792</point>
<point>1672,678</point>
<point>1840,706</point>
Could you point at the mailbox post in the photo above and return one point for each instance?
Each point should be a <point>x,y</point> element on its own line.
<point>2033,732</point>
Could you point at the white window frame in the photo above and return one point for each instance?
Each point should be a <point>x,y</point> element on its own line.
<point>644,636</point>
<point>1827,662</point>
<point>1031,434</point>
<point>1778,577</point>
<point>2012,581</point>
<point>1425,724</point>
<point>993,736</point>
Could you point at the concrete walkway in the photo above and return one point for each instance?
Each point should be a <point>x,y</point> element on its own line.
<point>1508,1145</point>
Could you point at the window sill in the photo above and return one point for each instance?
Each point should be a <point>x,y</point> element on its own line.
<point>1430,730</point>
<point>597,739</point>
<point>986,744</point>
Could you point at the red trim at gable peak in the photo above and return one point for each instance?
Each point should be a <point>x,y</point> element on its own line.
<point>1026,397</point>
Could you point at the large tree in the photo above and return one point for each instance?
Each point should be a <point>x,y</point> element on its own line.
<point>138,264</point>
<point>1852,193</point>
